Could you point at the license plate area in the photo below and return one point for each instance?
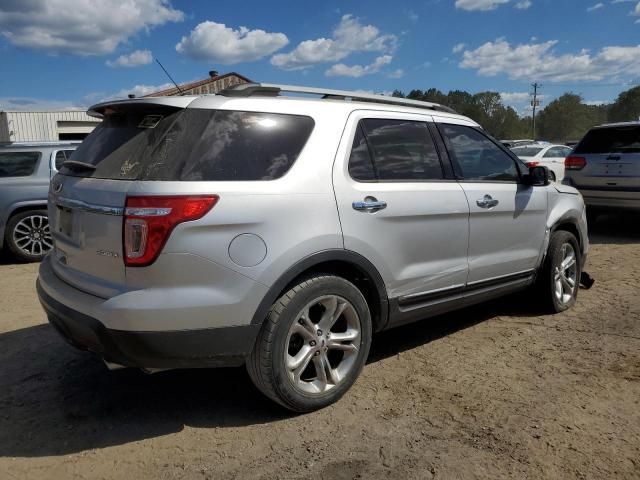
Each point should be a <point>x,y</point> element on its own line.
<point>65,221</point>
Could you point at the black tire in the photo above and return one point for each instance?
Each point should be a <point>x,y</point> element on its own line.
<point>266,364</point>
<point>17,221</point>
<point>547,280</point>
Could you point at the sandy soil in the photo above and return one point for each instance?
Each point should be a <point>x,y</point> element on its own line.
<point>497,391</point>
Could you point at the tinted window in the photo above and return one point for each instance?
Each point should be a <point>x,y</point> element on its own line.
<point>526,151</point>
<point>402,150</point>
<point>478,157</point>
<point>557,152</point>
<point>193,145</point>
<point>608,140</point>
<point>61,157</point>
<point>18,164</point>
<point>360,164</point>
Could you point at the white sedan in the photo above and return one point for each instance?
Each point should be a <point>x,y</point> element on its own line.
<point>546,155</point>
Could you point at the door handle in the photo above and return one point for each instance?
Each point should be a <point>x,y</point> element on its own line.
<point>487,202</point>
<point>369,205</point>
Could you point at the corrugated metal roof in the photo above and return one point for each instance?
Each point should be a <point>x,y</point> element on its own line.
<point>188,88</point>
<point>38,126</point>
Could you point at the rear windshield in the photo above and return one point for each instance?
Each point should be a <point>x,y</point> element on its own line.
<point>18,164</point>
<point>612,139</point>
<point>192,145</point>
<point>526,151</point>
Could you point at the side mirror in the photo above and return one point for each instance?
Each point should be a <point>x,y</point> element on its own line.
<point>537,176</point>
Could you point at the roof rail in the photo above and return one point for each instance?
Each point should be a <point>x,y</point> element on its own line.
<point>273,90</point>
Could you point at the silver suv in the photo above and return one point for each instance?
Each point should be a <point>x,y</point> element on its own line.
<point>283,231</point>
<point>605,167</point>
<point>25,172</point>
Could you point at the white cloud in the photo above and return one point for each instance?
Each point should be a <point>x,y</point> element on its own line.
<point>356,71</point>
<point>458,48</point>
<point>137,90</point>
<point>597,102</point>
<point>597,6</point>
<point>515,97</point>
<point>350,36</point>
<point>523,4</point>
<point>215,42</point>
<point>483,5</point>
<point>539,61</point>
<point>397,73</point>
<point>38,104</point>
<point>636,11</point>
<point>134,59</point>
<point>82,27</point>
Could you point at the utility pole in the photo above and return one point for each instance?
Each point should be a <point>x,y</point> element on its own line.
<point>535,103</point>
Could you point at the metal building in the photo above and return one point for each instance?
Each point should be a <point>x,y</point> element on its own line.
<point>45,126</point>
<point>213,84</point>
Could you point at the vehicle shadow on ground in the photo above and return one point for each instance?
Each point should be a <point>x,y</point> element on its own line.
<point>55,400</point>
<point>615,229</point>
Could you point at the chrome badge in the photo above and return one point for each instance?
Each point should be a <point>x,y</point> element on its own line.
<point>107,253</point>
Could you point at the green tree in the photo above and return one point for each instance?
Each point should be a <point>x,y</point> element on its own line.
<point>627,106</point>
<point>567,118</point>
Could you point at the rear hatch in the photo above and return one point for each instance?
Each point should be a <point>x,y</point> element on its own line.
<point>87,198</point>
<point>612,156</point>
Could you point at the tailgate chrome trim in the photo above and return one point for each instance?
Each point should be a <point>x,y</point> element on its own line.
<point>88,207</point>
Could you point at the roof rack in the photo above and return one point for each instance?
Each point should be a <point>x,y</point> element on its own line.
<point>273,90</point>
<point>45,143</point>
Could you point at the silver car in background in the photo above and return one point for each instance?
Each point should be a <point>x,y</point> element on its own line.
<point>25,172</point>
<point>605,168</point>
<point>281,231</point>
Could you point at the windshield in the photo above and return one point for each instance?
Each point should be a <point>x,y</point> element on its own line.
<point>191,145</point>
<point>611,139</point>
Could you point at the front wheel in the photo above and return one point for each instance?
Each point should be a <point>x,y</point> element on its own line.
<point>28,236</point>
<point>313,344</point>
<point>560,276</point>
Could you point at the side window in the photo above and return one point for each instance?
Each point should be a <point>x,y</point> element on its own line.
<point>402,150</point>
<point>61,157</point>
<point>360,163</point>
<point>554,152</point>
<point>18,164</point>
<point>478,157</point>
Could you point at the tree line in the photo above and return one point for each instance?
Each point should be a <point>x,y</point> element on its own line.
<point>565,119</point>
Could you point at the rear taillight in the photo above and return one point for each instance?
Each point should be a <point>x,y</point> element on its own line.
<point>532,164</point>
<point>574,163</point>
<point>149,220</point>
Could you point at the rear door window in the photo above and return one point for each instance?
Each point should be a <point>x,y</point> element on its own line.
<point>193,145</point>
<point>478,158</point>
<point>394,150</point>
<point>623,139</point>
<point>18,164</point>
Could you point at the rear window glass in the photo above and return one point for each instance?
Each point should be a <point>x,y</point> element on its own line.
<point>18,164</point>
<point>193,145</point>
<point>607,140</point>
<point>526,151</point>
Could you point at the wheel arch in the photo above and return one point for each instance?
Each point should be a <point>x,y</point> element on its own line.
<point>15,209</point>
<point>343,263</point>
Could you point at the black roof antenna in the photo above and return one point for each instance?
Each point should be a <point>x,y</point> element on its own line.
<point>167,73</point>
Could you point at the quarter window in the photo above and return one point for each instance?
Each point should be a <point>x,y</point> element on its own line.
<point>477,156</point>
<point>394,150</point>
<point>18,164</point>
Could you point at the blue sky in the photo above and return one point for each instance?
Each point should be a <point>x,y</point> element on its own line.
<point>71,53</point>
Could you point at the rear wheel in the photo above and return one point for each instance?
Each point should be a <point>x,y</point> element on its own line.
<point>313,344</point>
<point>560,277</point>
<point>27,235</point>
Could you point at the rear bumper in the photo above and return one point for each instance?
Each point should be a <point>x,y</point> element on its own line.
<point>612,199</point>
<point>77,317</point>
<point>214,347</point>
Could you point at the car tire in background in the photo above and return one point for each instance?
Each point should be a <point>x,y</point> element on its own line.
<point>313,344</point>
<point>27,235</point>
<point>559,280</point>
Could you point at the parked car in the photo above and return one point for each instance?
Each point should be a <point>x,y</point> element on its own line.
<point>282,232</point>
<point>516,143</point>
<point>605,168</point>
<point>25,172</point>
<point>547,155</point>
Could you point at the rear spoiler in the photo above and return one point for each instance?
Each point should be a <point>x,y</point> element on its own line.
<point>98,109</point>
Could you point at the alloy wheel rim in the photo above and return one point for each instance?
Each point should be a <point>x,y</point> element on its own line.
<point>32,235</point>
<point>565,275</point>
<point>322,344</point>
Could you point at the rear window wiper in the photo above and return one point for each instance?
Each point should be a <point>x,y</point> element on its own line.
<point>76,165</point>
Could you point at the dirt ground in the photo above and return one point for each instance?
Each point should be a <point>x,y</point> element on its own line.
<point>496,391</point>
